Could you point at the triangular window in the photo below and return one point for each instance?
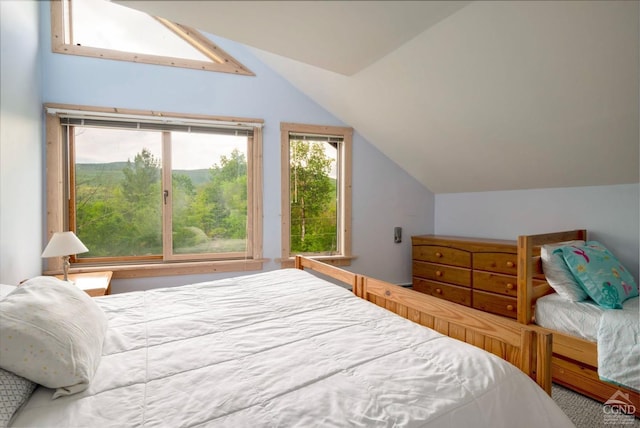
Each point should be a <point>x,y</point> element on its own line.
<point>102,29</point>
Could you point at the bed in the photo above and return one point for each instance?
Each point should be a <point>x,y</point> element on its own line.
<point>292,348</point>
<point>576,326</point>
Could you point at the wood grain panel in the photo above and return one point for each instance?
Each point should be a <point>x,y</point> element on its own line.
<point>441,254</point>
<point>457,332</point>
<point>461,295</point>
<point>506,263</point>
<point>495,283</point>
<point>496,304</point>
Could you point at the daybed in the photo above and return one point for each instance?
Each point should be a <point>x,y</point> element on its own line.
<point>291,348</point>
<point>575,325</point>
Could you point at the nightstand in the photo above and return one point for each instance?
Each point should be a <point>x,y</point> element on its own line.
<point>93,283</point>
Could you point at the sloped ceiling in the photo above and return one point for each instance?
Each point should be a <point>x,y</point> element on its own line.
<point>465,96</point>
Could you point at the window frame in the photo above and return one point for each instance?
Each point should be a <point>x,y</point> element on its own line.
<point>221,61</point>
<point>344,256</point>
<point>60,215</point>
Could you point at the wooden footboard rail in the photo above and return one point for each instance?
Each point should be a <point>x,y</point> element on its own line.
<point>341,275</point>
<point>522,346</point>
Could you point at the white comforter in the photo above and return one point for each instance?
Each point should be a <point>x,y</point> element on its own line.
<point>616,331</point>
<point>283,349</point>
<point>619,347</point>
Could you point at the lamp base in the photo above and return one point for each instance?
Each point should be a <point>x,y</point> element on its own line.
<point>65,267</point>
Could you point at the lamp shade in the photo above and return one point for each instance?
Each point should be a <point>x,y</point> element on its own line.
<point>64,244</point>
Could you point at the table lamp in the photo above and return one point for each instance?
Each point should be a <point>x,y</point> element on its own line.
<point>64,244</point>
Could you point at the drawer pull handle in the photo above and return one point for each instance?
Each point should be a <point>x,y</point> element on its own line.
<point>438,273</point>
<point>510,308</point>
<point>509,286</point>
<point>438,291</point>
<point>510,264</point>
<point>438,254</point>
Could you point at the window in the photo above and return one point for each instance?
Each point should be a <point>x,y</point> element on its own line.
<point>153,188</point>
<point>316,192</point>
<point>102,29</point>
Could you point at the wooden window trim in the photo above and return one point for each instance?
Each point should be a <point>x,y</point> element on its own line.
<point>57,205</point>
<point>221,61</point>
<point>121,271</point>
<point>345,256</point>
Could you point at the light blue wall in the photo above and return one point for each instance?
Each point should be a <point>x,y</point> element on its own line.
<point>20,142</point>
<point>611,215</point>
<point>384,195</point>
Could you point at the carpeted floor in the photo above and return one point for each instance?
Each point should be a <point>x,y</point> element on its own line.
<point>587,413</point>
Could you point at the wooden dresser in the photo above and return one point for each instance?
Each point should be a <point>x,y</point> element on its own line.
<point>481,273</point>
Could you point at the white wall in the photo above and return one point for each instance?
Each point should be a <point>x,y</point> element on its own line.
<point>383,199</point>
<point>500,90</point>
<point>21,212</point>
<point>611,215</point>
<point>384,195</point>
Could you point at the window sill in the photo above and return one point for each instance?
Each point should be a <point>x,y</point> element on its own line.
<point>330,260</point>
<point>169,269</point>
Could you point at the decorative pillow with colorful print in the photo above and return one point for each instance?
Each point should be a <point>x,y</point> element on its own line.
<point>600,273</point>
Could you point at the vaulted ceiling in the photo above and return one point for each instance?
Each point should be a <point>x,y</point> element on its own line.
<point>465,96</point>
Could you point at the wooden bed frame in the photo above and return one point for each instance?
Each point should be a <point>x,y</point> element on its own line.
<point>527,348</point>
<point>574,362</point>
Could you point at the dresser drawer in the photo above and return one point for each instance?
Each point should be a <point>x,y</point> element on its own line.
<point>444,255</point>
<point>452,293</point>
<point>442,273</point>
<point>496,262</point>
<point>495,283</point>
<point>495,303</point>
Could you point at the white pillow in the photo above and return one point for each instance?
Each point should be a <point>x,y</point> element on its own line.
<point>558,274</point>
<point>51,332</point>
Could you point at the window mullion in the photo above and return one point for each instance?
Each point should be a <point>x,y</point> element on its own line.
<point>285,197</point>
<point>167,198</point>
<point>71,180</point>
<point>346,189</point>
<point>70,171</point>
<point>250,197</point>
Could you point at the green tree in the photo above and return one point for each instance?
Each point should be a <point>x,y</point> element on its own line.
<point>183,193</point>
<point>216,214</point>
<point>208,211</point>
<point>231,177</point>
<point>120,213</point>
<point>312,198</point>
<point>140,177</point>
<point>142,203</point>
<point>100,219</point>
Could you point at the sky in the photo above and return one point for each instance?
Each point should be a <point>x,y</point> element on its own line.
<point>189,150</point>
<point>122,31</point>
